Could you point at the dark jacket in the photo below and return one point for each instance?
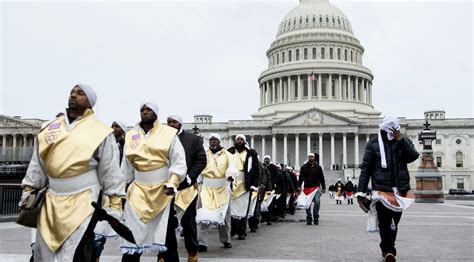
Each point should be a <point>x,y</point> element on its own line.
<point>265,178</point>
<point>252,176</point>
<point>398,155</point>
<point>196,159</point>
<point>278,179</point>
<point>312,175</point>
<point>349,187</point>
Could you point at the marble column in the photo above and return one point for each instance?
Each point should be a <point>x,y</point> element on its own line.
<point>263,146</point>
<point>333,153</point>
<point>356,150</point>
<point>329,87</point>
<point>321,162</point>
<point>349,87</point>
<point>274,94</point>
<point>310,89</point>
<point>356,88</point>
<point>14,148</point>
<point>285,148</point>
<point>252,141</point>
<point>290,94</point>
<point>280,90</point>
<point>320,76</point>
<point>339,90</point>
<point>300,88</point>
<point>274,143</point>
<point>297,151</point>
<point>308,143</point>
<point>344,149</point>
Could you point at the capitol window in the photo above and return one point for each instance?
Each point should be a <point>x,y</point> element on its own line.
<point>459,159</point>
<point>439,161</point>
<point>305,53</point>
<point>338,54</point>
<point>331,53</point>
<point>458,141</point>
<point>314,53</point>
<point>307,20</point>
<point>320,19</point>
<point>283,57</point>
<point>297,55</point>
<point>345,54</point>
<point>289,56</point>
<point>314,19</point>
<point>327,19</point>
<point>352,57</point>
<point>278,59</point>
<point>301,20</point>
<point>323,53</point>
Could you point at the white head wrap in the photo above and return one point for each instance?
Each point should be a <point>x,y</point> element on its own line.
<point>152,106</point>
<point>241,136</point>
<point>388,123</point>
<point>267,157</point>
<point>90,93</point>
<point>176,118</point>
<point>311,154</point>
<point>215,135</point>
<point>122,125</point>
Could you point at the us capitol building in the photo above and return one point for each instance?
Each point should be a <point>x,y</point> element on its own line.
<point>329,112</point>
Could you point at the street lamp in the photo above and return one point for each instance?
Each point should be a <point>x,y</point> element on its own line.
<point>426,137</point>
<point>196,132</point>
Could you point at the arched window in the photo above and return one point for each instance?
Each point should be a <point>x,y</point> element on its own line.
<point>297,55</point>
<point>289,56</point>
<point>314,19</point>
<point>323,84</point>
<point>278,59</point>
<point>338,54</point>
<point>459,162</point>
<point>301,20</point>
<point>320,19</point>
<point>283,57</point>
<point>327,19</point>
<point>323,53</point>
<point>345,55</point>
<point>314,52</point>
<point>305,54</point>
<point>352,60</point>
<point>307,19</point>
<point>331,55</point>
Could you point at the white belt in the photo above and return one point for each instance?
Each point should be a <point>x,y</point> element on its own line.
<point>157,176</point>
<point>75,184</point>
<point>214,182</point>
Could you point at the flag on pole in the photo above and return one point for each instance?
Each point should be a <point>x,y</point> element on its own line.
<point>312,77</point>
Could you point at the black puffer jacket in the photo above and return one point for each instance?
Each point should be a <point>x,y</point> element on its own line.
<point>398,155</point>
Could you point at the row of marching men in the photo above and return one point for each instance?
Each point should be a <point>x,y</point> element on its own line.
<point>156,168</point>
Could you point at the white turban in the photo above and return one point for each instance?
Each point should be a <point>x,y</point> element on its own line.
<point>90,93</point>
<point>215,135</point>
<point>152,106</point>
<point>267,157</point>
<point>388,123</point>
<point>176,118</point>
<point>311,154</point>
<point>241,136</point>
<point>122,125</point>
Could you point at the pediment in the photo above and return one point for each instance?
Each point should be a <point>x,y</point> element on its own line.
<point>7,121</point>
<point>314,117</point>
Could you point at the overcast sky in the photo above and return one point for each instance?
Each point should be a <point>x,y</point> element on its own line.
<point>195,57</point>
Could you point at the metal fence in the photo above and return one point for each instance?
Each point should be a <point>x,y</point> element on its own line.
<point>18,154</point>
<point>10,195</point>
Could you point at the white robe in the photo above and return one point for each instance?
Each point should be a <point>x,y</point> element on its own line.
<point>106,161</point>
<point>151,236</point>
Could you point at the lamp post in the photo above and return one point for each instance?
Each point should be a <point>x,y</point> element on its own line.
<point>429,183</point>
<point>196,132</point>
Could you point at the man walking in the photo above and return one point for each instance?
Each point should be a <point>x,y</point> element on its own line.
<point>185,201</point>
<point>312,175</point>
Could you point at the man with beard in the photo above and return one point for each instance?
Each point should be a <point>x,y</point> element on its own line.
<point>154,164</point>
<point>214,197</point>
<point>245,191</point>
<point>102,229</point>
<point>76,157</point>
<point>185,201</point>
<point>312,175</point>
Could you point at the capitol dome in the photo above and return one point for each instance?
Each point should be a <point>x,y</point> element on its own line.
<point>314,14</point>
<point>315,61</point>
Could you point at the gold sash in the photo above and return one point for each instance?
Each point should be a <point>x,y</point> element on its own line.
<point>184,197</point>
<point>67,153</point>
<point>61,215</point>
<point>147,154</point>
<point>213,198</point>
<point>217,164</point>
<point>148,200</point>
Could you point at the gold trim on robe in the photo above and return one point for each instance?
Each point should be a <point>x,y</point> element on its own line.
<point>59,216</point>
<point>150,153</point>
<point>67,153</point>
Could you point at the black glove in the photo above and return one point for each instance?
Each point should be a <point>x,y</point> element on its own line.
<point>364,203</point>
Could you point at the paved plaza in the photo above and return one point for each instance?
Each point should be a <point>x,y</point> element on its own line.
<point>428,232</point>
